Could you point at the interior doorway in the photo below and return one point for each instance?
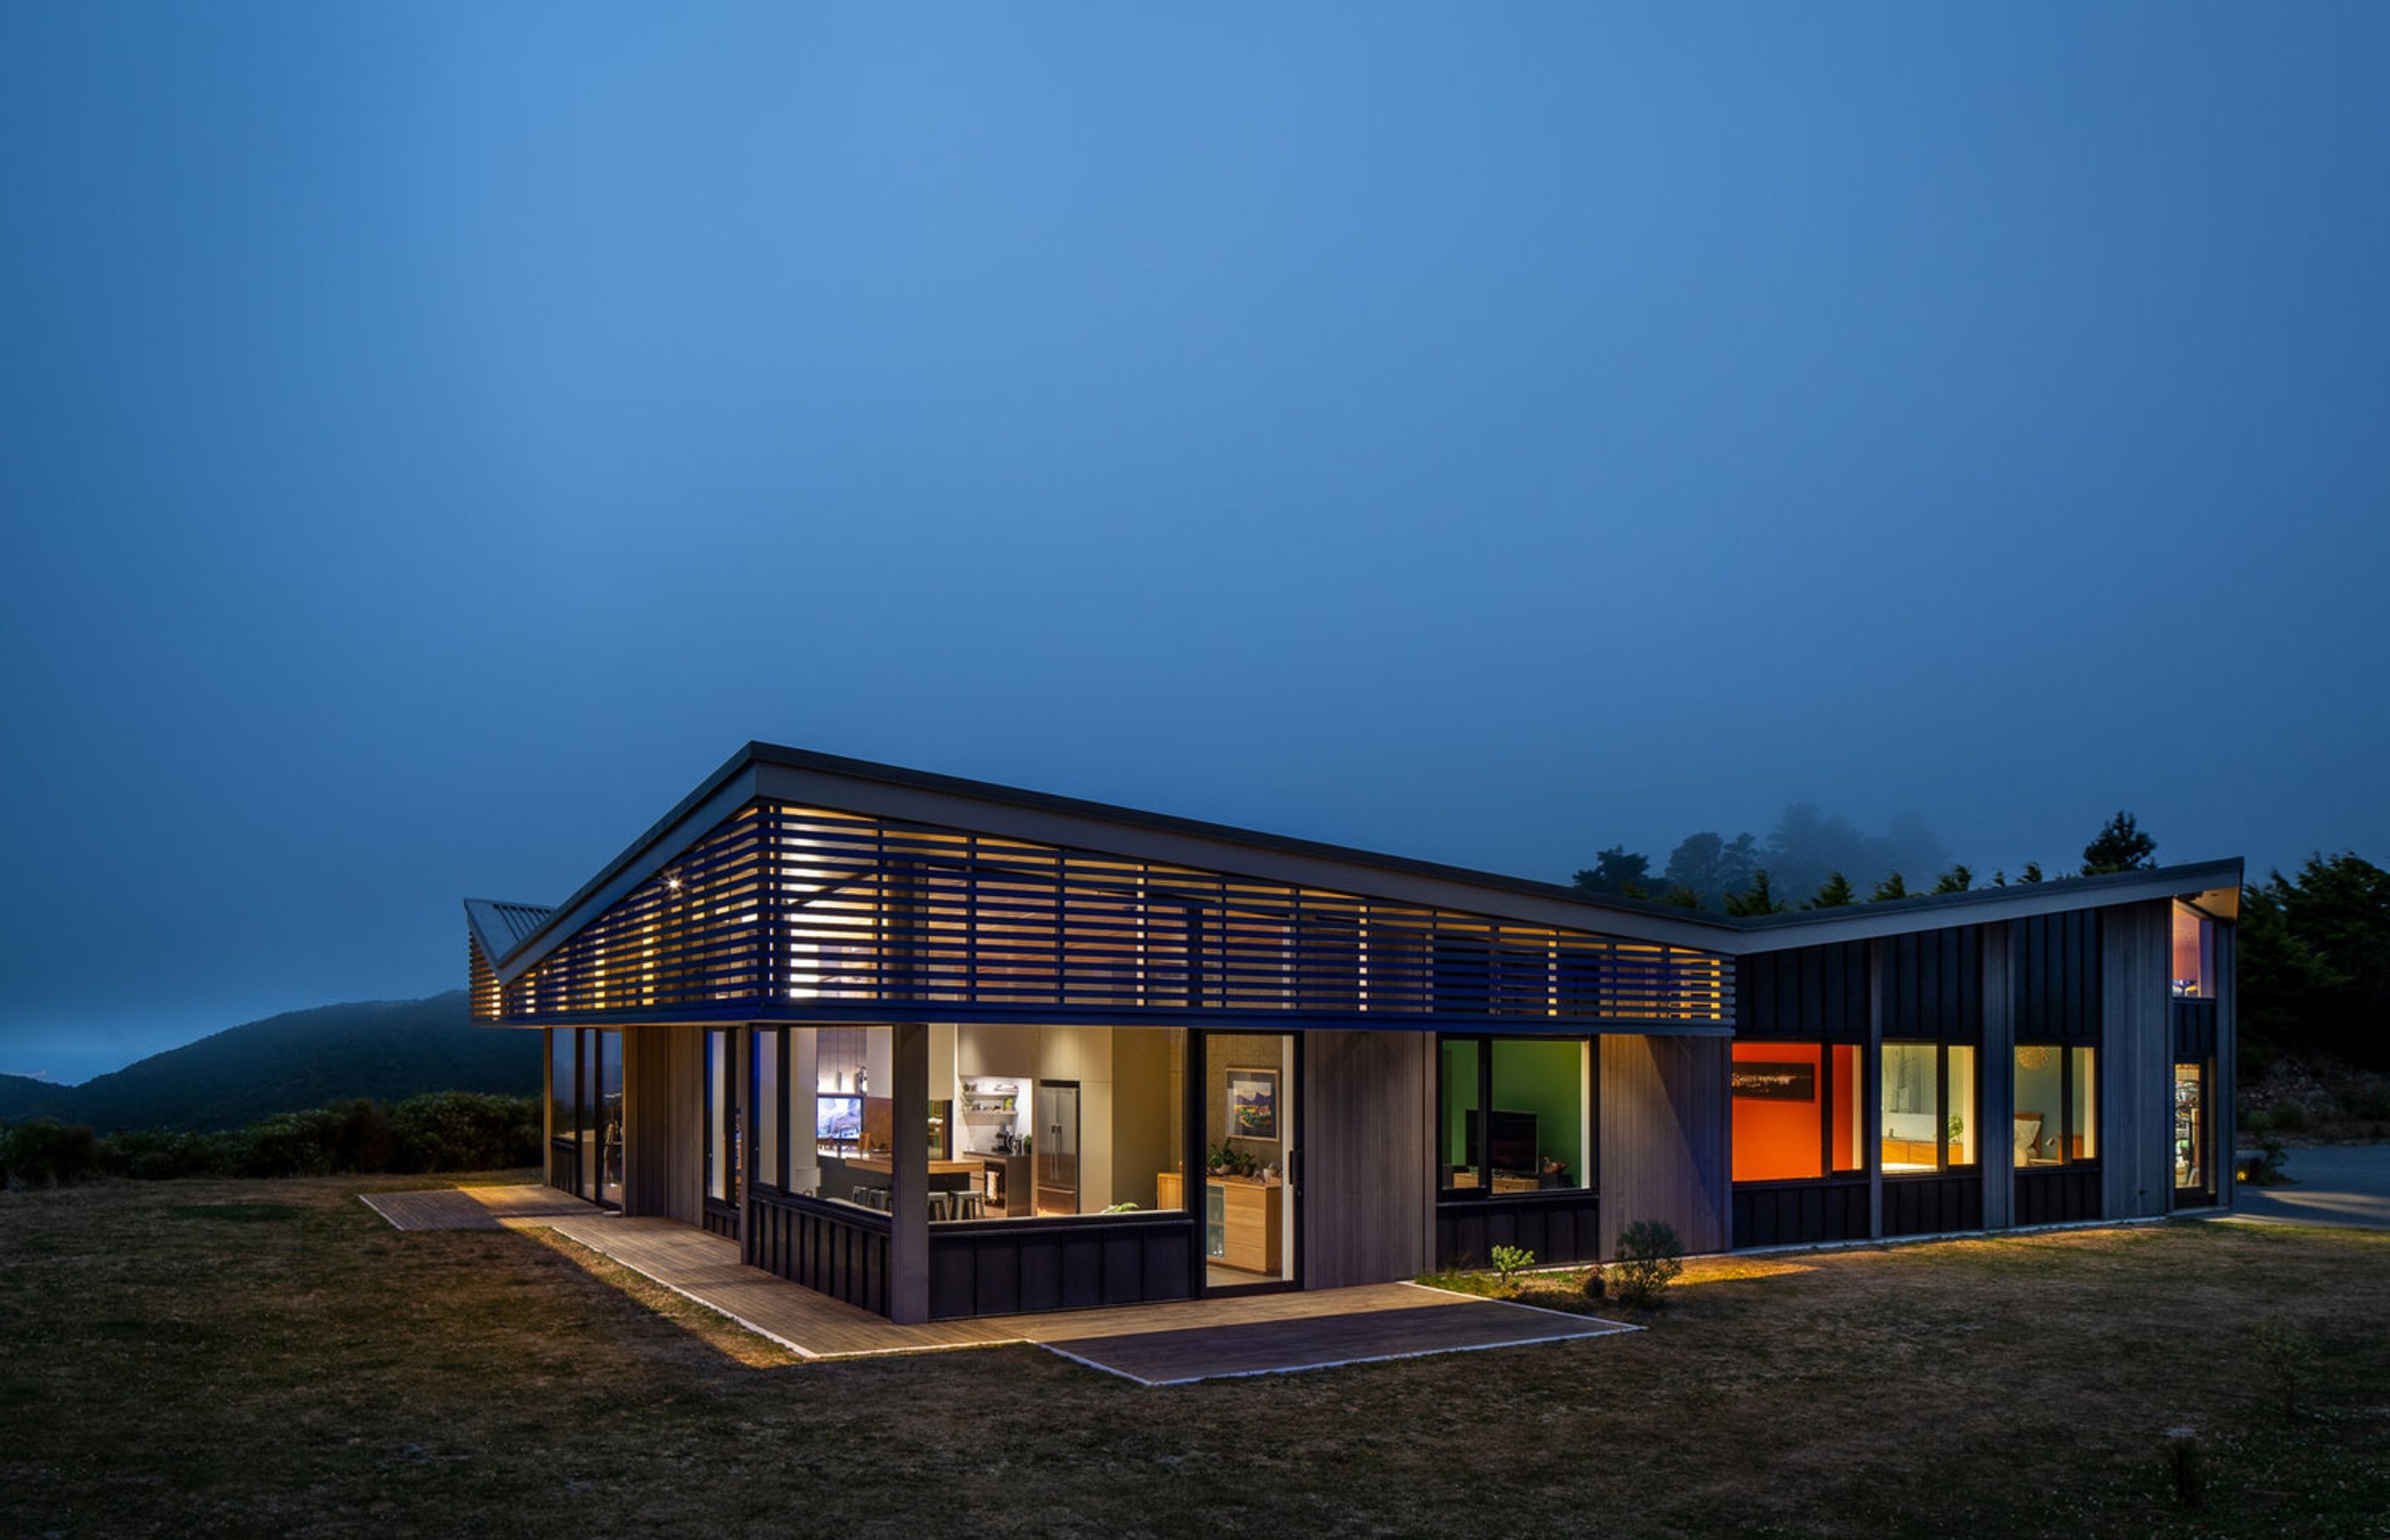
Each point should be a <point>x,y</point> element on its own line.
<point>2194,1148</point>
<point>1250,1213</point>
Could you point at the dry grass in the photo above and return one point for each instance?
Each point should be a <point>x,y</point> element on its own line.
<point>201,1358</point>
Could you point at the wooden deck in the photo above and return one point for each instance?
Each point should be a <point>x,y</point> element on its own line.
<point>1152,1344</point>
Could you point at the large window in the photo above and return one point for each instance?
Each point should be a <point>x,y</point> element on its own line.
<point>2056,1106</point>
<point>1515,1115</point>
<point>1929,1107</point>
<point>1796,1109</point>
<point>564,1165</point>
<point>1022,1122</point>
<point>2194,952</point>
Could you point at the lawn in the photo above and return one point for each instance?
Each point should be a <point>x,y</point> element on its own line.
<point>268,1358</point>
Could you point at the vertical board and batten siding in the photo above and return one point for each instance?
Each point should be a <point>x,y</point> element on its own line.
<point>1995,1072</point>
<point>662,1122</point>
<point>1663,1130</point>
<point>1009,1267</point>
<point>1369,1156</point>
<point>2054,970</point>
<point>1804,993</point>
<point>1931,983</point>
<point>2137,1061</point>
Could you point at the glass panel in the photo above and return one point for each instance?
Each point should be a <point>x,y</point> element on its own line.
<point>1912,1108</point>
<point>1779,1122</point>
<point>2191,1126</point>
<point>2083,1142</point>
<point>2036,1124</point>
<point>609,1104</point>
<point>2195,949</point>
<point>1454,1159</point>
<point>1960,1115</point>
<point>1248,1113</point>
<point>1850,1145</point>
<point>563,1112</point>
<point>767,1052</point>
<point>1053,1120</point>
<point>718,1101</point>
<point>1540,1124</point>
<point>854,1113</point>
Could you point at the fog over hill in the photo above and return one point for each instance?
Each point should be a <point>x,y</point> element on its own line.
<point>386,1049</point>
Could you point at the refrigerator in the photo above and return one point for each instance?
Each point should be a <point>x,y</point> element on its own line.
<point>1054,1146</point>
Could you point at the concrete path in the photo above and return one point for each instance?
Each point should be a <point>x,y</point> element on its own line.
<point>1172,1343</point>
<point>2334,1185</point>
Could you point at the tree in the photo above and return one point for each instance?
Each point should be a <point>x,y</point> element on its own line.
<point>2119,847</point>
<point>1958,879</point>
<point>1616,870</point>
<point>1681,896</point>
<point>1889,889</point>
<point>1834,895</point>
<point>2031,872</point>
<point>2314,963</point>
<point>1713,867</point>
<point>1755,900</point>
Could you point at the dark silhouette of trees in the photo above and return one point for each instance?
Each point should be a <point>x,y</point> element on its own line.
<point>2119,847</point>
<point>1616,870</point>
<point>1757,899</point>
<point>2314,958</point>
<point>1889,889</point>
<point>1836,892</point>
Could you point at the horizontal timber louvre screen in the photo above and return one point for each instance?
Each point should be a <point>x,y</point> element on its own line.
<point>788,907</point>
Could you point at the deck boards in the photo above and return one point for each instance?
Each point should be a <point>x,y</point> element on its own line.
<point>1154,1345</point>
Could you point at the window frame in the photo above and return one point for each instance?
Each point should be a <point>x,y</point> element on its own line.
<point>1864,1074</point>
<point>2065,1048</point>
<point>1943,1164</point>
<point>1589,1051</point>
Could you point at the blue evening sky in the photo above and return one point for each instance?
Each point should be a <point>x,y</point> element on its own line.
<point>432,437</point>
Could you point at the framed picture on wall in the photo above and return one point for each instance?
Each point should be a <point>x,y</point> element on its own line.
<point>1253,1104</point>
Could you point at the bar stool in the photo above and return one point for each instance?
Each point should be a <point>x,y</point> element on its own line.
<point>967,1205</point>
<point>940,1208</point>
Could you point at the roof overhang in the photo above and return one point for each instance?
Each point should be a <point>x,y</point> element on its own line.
<point>864,787</point>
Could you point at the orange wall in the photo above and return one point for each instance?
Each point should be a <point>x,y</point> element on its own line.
<point>1778,1139</point>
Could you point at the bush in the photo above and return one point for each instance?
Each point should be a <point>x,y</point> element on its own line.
<point>45,1152</point>
<point>1511,1261</point>
<point>1649,1258</point>
<point>2256,1119</point>
<point>465,1131</point>
<point>2289,1118</point>
<point>1594,1286</point>
<point>2372,1104</point>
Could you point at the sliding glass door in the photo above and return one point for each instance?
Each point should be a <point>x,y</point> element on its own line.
<point>1250,1207</point>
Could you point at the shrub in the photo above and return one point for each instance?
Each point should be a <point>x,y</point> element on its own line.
<point>45,1152</point>
<point>2289,1117</point>
<point>1511,1261</point>
<point>2371,1103</point>
<point>2185,1468</point>
<point>2256,1119</point>
<point>1649,1258</point>
<point>465,1131</point>
<point>1594,1286</point>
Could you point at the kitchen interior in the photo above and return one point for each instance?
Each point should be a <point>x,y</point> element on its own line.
<point>1029,1122</point>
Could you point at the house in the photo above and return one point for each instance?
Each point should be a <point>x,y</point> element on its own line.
<point>943,1049</point>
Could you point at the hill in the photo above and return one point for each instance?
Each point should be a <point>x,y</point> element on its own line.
<point>386,1049</point>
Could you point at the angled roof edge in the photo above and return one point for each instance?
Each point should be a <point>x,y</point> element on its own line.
<point>499,927</point>
<point>800,774</point>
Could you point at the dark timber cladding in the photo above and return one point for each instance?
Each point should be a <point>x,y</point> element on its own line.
<point>1807,992</point>
<point>2054,960</point>
<point>1932,984</point>
<point>804,913</point>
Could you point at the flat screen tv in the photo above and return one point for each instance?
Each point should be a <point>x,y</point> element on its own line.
<point>1513,1143</point>
<point>838,1119</point>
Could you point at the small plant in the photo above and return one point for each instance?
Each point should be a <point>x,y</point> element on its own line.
<point>2288,1358</point>
<point>1511,1261</point>
<point>1649,1258</point>
<point>1594,1285</point>
<point>2186,1467</point>
<point>1226,1160</point>
<point>2256,1120</point>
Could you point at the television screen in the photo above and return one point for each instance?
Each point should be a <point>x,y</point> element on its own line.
<point>838,1119</point>
<point>1513,1142</point>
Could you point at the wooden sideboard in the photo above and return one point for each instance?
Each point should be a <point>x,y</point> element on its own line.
<point>1253,1215</point>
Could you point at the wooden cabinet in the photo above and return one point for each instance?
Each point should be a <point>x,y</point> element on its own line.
<point>1245,1231</point>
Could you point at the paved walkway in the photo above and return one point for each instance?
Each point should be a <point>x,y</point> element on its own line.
<point>1152,1344</point>
<point>2333,1185</point>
